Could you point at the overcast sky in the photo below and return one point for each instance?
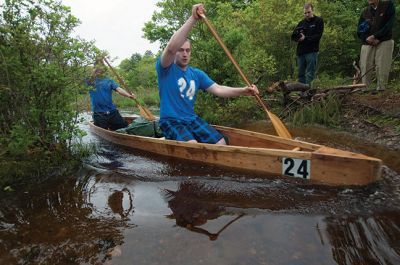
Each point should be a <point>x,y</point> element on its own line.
<point>114,25</point>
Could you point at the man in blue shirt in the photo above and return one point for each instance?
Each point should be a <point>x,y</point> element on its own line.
<point>105,113</point>
<point>178,84</point>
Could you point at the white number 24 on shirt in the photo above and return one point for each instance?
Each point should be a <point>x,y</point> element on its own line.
<point>190,91</point>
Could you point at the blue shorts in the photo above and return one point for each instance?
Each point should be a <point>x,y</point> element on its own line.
<point>197,129</point>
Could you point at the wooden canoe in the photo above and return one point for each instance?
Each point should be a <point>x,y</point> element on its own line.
<point>262,153</point>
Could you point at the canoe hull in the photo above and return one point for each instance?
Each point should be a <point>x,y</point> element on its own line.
<point>262,153</point>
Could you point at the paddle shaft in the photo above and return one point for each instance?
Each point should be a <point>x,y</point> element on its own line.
<point>276,122</point>
<point>144,111</point>
<point>228,53</point>
<point>120,80</point>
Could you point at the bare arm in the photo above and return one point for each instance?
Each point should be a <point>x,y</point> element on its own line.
<point>124,93</point>
<point>180,36</point>
<point>227,91</point>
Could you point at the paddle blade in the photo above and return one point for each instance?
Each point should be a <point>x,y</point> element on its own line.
<point>279,126</point>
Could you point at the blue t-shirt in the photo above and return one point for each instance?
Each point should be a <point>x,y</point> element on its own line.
<point>178,89</point>
<point>101,94</point>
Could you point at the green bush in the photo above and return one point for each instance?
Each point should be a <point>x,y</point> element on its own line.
<point>41,72</point>
<point>227,111</point>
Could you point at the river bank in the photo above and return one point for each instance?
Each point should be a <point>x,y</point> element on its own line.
<point>373,116</point>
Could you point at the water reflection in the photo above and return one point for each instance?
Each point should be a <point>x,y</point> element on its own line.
<point>54,224</point>
<point>338,238</point>
<point>365,239</point>
<point>106,217</point>
<point>115,202</point>
<point>190,210</point>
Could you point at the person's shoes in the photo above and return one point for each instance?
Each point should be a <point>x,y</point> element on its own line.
<point>380,89</point>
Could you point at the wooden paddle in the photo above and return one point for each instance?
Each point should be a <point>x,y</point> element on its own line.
<point>143,110</point>
<point>276,122</point>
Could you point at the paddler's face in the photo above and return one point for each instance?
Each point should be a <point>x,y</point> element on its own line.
<point>100,69</point>
<point>182,56</point>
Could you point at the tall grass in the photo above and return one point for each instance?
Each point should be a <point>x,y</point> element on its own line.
<point>325,112</point>
<point>227,111</point>
<point>147,96</point>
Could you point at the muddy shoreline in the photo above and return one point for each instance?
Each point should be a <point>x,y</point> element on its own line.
<point>374,117</point>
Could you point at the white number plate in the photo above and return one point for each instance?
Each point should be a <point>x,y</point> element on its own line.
<point>298,168</point>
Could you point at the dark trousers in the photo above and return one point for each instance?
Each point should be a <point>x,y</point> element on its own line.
<point>109,120</point>
<point>307,64</point>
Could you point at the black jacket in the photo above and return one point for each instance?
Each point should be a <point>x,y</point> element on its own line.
<point>377,22</point>
<point>312,29</point>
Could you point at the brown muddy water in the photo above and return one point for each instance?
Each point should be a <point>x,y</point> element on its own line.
<point>129,207</point>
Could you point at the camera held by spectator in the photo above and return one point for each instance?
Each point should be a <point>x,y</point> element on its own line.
<point>297,32</point>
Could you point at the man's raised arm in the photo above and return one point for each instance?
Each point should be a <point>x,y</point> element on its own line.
<point>180,36</point>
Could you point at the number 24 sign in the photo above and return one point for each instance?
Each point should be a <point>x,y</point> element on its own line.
<point>298,168</point>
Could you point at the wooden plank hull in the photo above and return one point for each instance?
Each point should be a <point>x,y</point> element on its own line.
<point>263,153</point>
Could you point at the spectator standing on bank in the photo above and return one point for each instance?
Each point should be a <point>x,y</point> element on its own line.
<point>375,31</point>
<point>308,34</point>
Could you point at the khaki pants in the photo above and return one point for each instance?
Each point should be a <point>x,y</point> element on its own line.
<point>376,59</point>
